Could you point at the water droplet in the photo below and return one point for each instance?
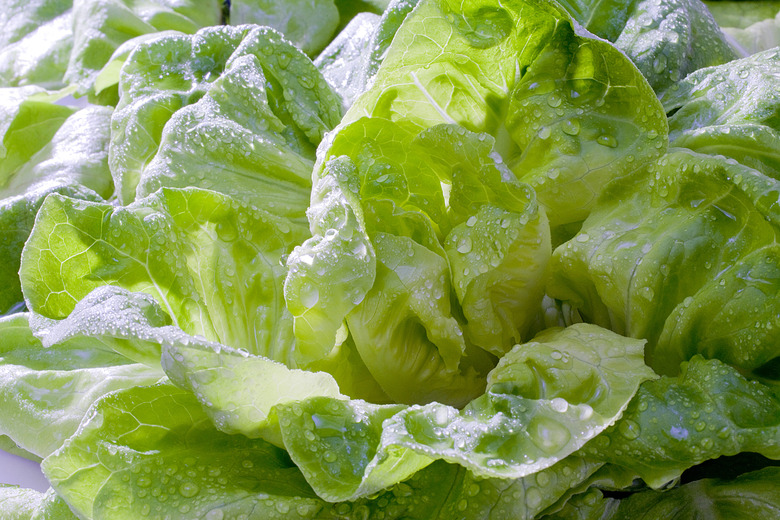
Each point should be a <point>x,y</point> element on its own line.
<point>544,132</point>
<point>571,127</point>
<point>188,489</point>
<point>464,245</point>
<point>607,140</point>
<point>629,429</point>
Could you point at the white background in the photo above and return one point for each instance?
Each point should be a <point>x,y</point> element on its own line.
<point>21,472</point>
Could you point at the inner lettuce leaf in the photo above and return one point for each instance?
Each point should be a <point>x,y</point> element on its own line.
<point>36,42</point>
<point>46,148</point>
<point>762,35</point>
<point>46,392</point>
<point>730,110</point>
<point>660,245</point>
<point>151,452</point>
<point>234,109</point>
<point>454,281</point>
<point>175,245</point>
<point>531,417</point>
<point>568,112</point>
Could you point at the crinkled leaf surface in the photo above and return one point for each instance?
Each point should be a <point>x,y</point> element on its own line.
<point>545,400</point>
<point>568,111</point>
<point>674,423</point>
<point>234,109</point>
<point>666,39</point>
<point>659,240</point>
<point>730,110</point>
<point>385,243</point>
<point>29,504</point>
<point>101,26</point>
<point>35,43</point>
<point>151,451</point>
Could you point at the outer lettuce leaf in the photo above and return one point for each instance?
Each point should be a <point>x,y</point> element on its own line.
<point>382,221</point>
<point>176,245</point>
<point>151,452</point>
<point>110,318</point>
<point>730,110</point>
<point>545,400</point>
<point>760,36</point>
<point>28,504</point>
<point>101,26</point>
<point>35,43</point>
<point>44,153</point>
<point>739,14</point>
<point>309,24</point>
<point>667,39</point>
<point>567,111</point>
<point>234,109</point>
<point>674,423</point>
<point>751,495</point>
<point>45,393</point>
<point>657,243</point>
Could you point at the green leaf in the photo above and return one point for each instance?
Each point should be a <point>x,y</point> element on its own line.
<point>674,423</point>
<point>101,26</point>
<point>545,399</point>
<point>234,109</point>
<point>666,39</point>
<point>28,504</point>
<point>308,24</point>
<point>730,110</point>
<point>653,242</point>
<point>449,295</point>
<point>50,149</point>
<point>36,42</point>
<point>45,392</point>
<point>175,245</point>
<point>751,495</point>
<point>535,82</point>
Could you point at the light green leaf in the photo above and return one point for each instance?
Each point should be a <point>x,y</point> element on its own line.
<point>50,149</point>
<point>28,504</point>
<point>234,109</point>
<point>175,245</point>
<point>101,26</point>
<point>660,239</point>
<point>308,24</point>
<point>545,399</point>
<point>567,111</point>
<point>45,392</point>
<point>35,43</point>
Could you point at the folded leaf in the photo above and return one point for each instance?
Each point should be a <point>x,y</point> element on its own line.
<point>45,392</point>
<point>569,112</point>
<point>674,423</point>
<point>234,109</point>
<point>730,110</point>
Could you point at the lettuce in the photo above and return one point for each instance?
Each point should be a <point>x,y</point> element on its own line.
<point>408,259</point>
